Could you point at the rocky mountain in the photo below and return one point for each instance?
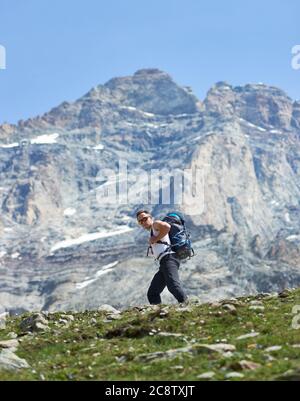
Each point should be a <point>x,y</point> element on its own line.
<point>64,245</point>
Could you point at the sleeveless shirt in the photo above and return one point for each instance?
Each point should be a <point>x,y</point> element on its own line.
<point>160,249</point>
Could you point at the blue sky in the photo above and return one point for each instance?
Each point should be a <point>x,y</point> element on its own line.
<point>58,49</point>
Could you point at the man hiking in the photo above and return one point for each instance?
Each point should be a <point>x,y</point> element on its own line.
<point>167,274</point>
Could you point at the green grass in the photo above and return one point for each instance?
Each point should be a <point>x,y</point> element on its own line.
<point>90,351</point>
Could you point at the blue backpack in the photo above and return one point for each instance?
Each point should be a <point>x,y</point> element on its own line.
<point>179,237</point>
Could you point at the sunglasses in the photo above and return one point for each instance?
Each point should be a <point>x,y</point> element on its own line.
<point>143,220</point>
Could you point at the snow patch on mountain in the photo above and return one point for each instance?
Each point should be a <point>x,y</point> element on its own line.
<point>10,145</point>
<point>105,269</point>
<point>45,139</point>
<point>98,147</point>
<point>70,211</point>
<point>89,237</point>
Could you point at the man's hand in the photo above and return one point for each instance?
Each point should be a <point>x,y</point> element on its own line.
<point>152,240</point>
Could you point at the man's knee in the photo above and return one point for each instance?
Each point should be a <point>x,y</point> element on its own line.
<point>176,289</point>
<point>173,286</point>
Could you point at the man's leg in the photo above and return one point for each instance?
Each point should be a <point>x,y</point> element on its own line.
<point>169,267</point>
<point>156,288</point>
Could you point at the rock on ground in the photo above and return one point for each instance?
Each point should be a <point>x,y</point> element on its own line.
<point>10,361</point>
<point>34,323</point>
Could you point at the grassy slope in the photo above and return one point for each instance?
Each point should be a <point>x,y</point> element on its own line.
<point>83,351</point>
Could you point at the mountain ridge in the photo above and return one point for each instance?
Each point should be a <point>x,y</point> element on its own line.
<point>113,90</point>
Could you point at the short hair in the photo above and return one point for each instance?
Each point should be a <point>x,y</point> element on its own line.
<point>142,211</point>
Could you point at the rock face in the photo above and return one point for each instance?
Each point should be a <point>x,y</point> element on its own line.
<point>63,245</point>
<point>153,91</point>
<point>260,104</point>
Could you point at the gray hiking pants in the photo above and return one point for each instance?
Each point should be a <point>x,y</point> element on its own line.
<point>167,275</point>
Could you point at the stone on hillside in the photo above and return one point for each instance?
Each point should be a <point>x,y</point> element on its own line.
<point>108,309</point>
<point>257,308</point>
<point>64,322</point>
<point>256,302</point>
<point>269,358</point>
<point>232,301</point>
<point>34,323</point>
<point>270,297</point>
<point>166,334</point>
<point>10,361</point>
<point>245,365</point>
<point>230,308</point>
<point>274,348</point>
<point>285,293</point>
<point>114,316</point>
<point>249,335</point>
<point>192,349</point>
<point>184,309</point>
<point>121,359</point>
<point>177,367</point>
<point>206,376</point>
<point>11,344</point>
<point>217,347</point>
<point>164,312</point>
<point>234,375</point>
<point>216,305</point>
<point>228,354</point>
<point>290,375</point>
<point>193,299</point>
<point>12,335</point>
<point>150,308</point>
<point>70,318</point>
<point>40,327</point>
<point>162,354</point>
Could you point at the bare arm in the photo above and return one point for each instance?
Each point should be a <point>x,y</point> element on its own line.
<point>163,229</point>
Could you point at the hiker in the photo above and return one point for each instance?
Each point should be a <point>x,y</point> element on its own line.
<point>167,274</point>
